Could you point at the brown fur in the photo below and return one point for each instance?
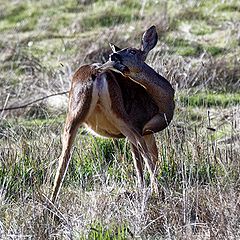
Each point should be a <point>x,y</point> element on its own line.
<point>112,105</point>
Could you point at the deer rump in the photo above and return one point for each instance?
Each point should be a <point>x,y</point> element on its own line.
<point>138,104</point>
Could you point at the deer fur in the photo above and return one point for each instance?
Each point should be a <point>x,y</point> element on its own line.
<point>124,97</point>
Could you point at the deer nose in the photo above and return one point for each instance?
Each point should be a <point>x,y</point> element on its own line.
<point>115,57</point>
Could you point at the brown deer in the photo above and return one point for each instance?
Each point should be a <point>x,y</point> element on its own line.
<point>124,97</point>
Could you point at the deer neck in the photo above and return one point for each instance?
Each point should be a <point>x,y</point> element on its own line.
<point>154,83</point>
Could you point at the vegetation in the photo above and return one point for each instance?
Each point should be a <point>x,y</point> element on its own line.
<point>42,43</point>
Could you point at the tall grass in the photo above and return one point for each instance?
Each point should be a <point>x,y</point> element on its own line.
<point>198,176</point>
<point>42,43</point>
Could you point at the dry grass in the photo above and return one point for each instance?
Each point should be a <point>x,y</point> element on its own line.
<point>199,166</point>
<point>198,181</point>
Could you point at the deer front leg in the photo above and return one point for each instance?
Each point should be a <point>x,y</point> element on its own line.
<point>116,113</point>
<point>152,148</point>
<point>139,150</point>
<point>156,124</point>
<point>138,160</point>
<point>139,145</point>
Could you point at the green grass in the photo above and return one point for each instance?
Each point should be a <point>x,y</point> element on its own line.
<point>184,47</point>
<point>99,232</point>
<point>209,99</point>
<point>93,156</point>
<point>21,17</point>
<point>100,156</point>
<point>201,28</point>
<point>106,15</point>
<point>232,7</point>
<point>215,51</point>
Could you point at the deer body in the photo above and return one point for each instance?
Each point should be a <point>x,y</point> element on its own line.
<point>121,98</point>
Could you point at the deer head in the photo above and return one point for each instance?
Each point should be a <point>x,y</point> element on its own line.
<point>129,60</point>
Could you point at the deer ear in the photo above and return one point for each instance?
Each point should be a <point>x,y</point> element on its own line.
<point>149,40</point>
<point>114,47</point>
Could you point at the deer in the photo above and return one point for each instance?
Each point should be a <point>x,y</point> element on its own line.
<point>121,98</point>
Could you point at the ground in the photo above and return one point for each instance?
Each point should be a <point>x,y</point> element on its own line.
<point>42,43</point>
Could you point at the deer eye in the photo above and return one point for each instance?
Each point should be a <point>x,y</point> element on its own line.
<point>132,52</point>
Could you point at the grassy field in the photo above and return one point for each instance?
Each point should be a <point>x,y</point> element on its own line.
<point>42,43</point>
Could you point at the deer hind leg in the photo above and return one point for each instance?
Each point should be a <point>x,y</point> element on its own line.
<point>81,104</point>
<point>156,124</point>
<point>70,131</point>
<point>138,164</point>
